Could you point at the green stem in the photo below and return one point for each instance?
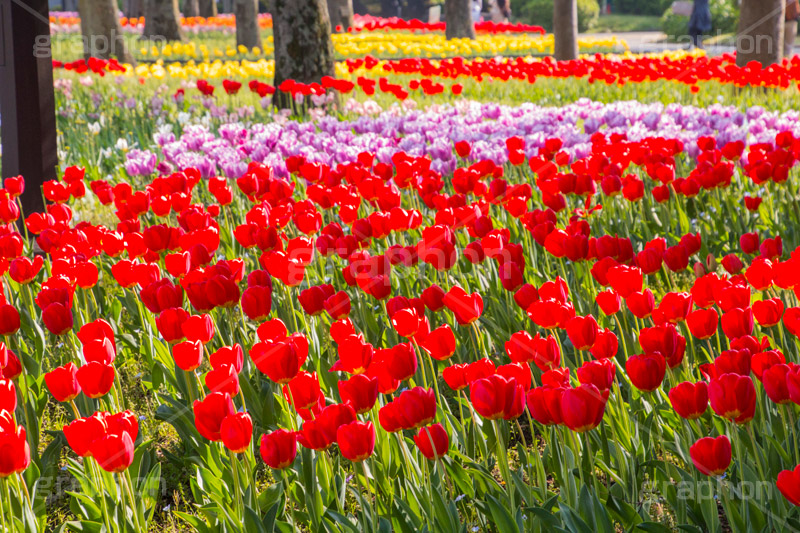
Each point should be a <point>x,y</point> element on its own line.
<point>236,486</point>
<point>503,460</point>
<point>3,507</point>
<point>793,424</point>
<point>373,510</point>
<point>361,497</point>
<point>289,504</point>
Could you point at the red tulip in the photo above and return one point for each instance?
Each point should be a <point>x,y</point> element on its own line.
<point>440,343</point>
<point>497,397</point>
<point>544,404</point>
<point>57,318</point>
<point>198,328</point>
<point>641,304</point>
<point>63,383</point>
<point>257,302</point>
<point>582,331</point>
<point>9,319</point>
<point>278,360</point>
<point>210,412</point>
<point>665,340</point>
<point>188,355</point>
<point>433,297</point>
<point>279,448</point>
<point>625,280</point>
<point>608,301</point>
<point>749,243</point>
<point>775,383</point>
<point>236,432</point>
<point>690,400</point>
<point>768,313</point>
<point>414,408</point>
<point>399,362</point>
<point>334,416</point>
<point>646,371</point>
<point>96,379</point>
<point>737,323</point>
<point>675,306</point>
<point>303,391</point>
<point>100,350</point>
<point>355,355</point>
<point>432,441</point>
<point>763,361</point>
<point>598,373</point>
<point>356,440</point>
<point>223,379</point>
<point>338,305</point>
<point>733,362</point>
<point>170,322</point>
<point>228,355</point>
<point>15,454</point>
<point>788,483</point>
<point>732,264</point>
<point>711,456</point>
<point>606,345</point>
<point>582,407</point>
<point>114,452</point>
<point>161,294</point>
<point>733,397</point>
<point>23,270</point>
<point>360,392</point>
<point>407,322</point>
<point>526,295</point>
<point>81,433</point>
<point>703,323</point>
<point>466,307</point>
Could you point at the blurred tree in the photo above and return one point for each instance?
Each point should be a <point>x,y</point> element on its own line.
<point>132,8</point>
<point>565,29</point>
<point>760,37</point>
<point>191,8</point>
<point>161,20</point>
<point>303,47</point>
<point>341,13</point>
<point>208,8</point>
<point>458,15</point>
<point>102,33</point>
<point>247,30</point>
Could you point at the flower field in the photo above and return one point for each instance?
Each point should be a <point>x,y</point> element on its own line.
<point>465,294</point>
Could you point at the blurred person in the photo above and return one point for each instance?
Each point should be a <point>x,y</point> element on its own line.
<point>699,22</point>
<point>477,7</point>
<point>500,11</point>
<point>790,31</point>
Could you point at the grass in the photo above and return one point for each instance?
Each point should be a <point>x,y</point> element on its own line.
<point>617,23</point>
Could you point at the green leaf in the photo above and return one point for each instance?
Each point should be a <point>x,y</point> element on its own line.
<point>502,518</point>
<point>252,522</point>
<point>653,527</point>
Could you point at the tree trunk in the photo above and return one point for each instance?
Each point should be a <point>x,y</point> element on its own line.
<point>227,6</point>
<point>565,30</point>
<point>341,13</point>
<point>458,16</point>
<point>303,47</point>
<point>70,5</point>
<point>161,20</point>
<point>191,8</point>
<point>101,30</point>
<point>247,31</point>
<point>133,9</point>
<point>208,8</point>
<point>760,37</point>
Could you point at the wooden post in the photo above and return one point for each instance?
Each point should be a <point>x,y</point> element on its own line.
<point>27,100</point>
